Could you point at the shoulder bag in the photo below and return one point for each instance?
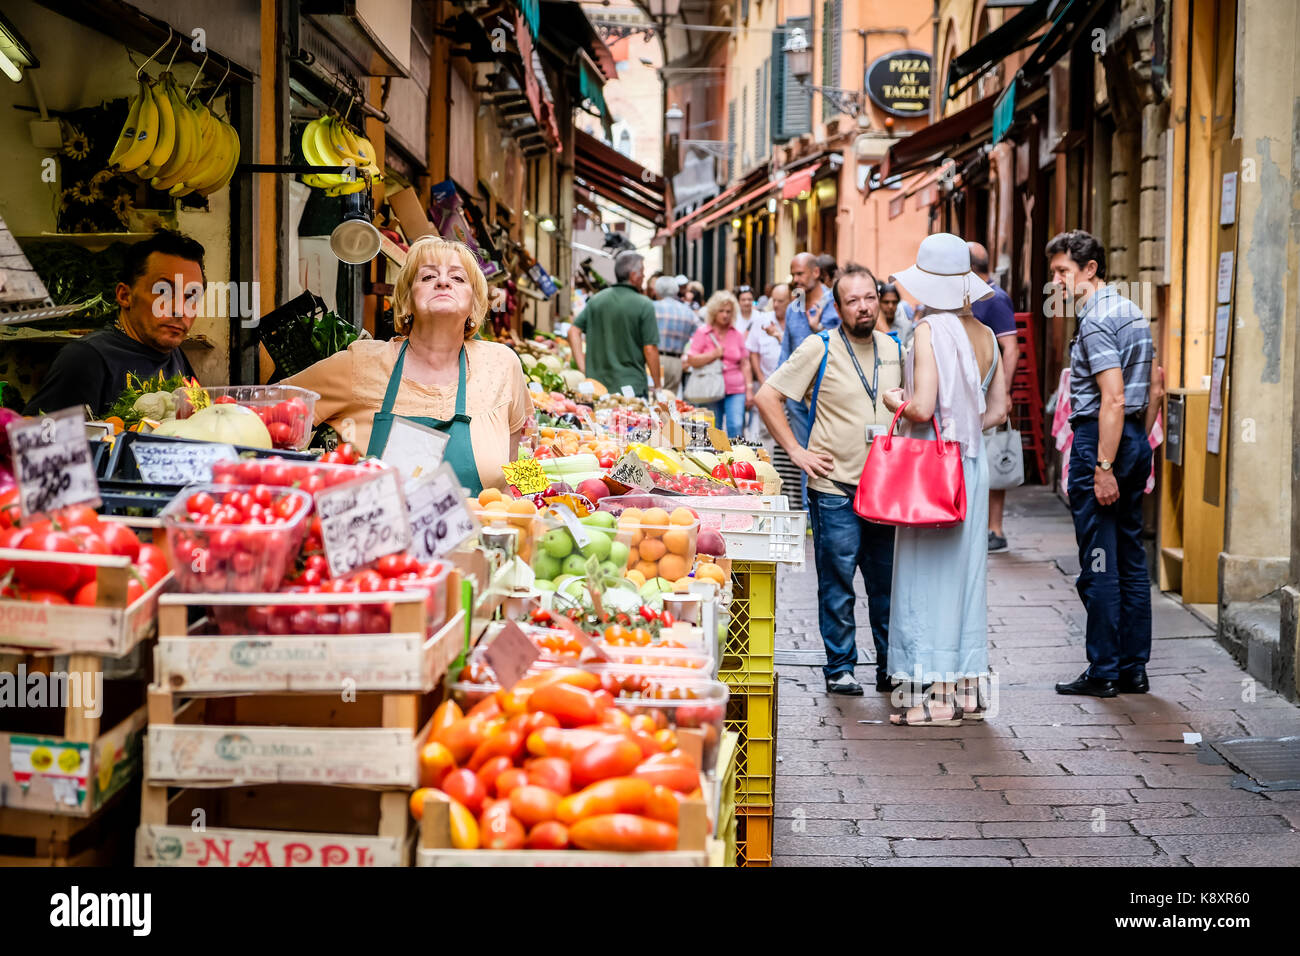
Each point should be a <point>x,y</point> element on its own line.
<point>912,482</point>
<point>705,385</point>
<point>1006,457</point>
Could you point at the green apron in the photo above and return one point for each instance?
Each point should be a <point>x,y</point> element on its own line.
<point>460,449</point>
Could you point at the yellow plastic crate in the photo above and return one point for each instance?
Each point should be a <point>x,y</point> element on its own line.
<point>748,651</point>
<point>753,836</point>
<point>751,714</point>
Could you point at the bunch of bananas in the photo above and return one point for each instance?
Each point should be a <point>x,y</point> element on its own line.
<point>327,141</point>
<point>174,144</point>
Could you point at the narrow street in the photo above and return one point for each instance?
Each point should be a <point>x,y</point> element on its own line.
<point>1050,780</point>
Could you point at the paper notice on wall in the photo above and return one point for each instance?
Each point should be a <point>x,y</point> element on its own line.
<point>1216,383</point>
<point>1213,430</point>
<point>1228,200</point>
<point>1222,323</point>
<point>1224,284</point>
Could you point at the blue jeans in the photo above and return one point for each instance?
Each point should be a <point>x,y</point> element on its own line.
<point>797,413</point>
<point>843,543</point>
<point>730,414</point>
<point>1113,584</point>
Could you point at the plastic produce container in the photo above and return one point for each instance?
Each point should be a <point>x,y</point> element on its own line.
<point>243,558</point>
<point>556,552</point>
<point>288,411</point>
<point>660,543</point>
<point>672,700</point>
<point>310,476</point>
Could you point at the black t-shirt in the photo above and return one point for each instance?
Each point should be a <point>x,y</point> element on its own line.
<point>92,371</point>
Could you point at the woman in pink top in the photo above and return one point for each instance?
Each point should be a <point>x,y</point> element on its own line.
<point>719,339</point>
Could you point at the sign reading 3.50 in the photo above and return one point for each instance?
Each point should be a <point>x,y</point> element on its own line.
<point>362,521</point>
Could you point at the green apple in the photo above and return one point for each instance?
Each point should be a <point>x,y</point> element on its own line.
<point>598,546</point>
<point>558,543</point>
<point>576,588</point>
<point>600,519</point>
<point>545,566</point>
<point>618,552</point>
<point>574,564</point>
<point>610,569</point>
<point>543,584</point>
<point>656,587</point>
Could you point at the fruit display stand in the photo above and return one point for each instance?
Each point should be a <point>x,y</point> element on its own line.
<point>724,785</point>
<point>290,749</point>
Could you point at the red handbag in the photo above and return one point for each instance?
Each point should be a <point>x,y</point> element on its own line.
<point>912,482</point>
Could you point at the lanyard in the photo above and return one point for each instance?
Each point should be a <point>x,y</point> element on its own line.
<point>875,372</point>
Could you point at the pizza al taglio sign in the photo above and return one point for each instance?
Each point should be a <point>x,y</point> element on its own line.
<point>899,82</point>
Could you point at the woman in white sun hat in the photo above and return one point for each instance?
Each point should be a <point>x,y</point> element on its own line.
<point>938,621</point>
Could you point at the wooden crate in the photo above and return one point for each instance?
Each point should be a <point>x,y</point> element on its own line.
<point>273,825</point>
<point>32,838</point>
<point>69,760</point>
<point>111,627</point>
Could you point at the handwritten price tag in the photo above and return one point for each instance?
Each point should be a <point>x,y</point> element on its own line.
<point>179,462</point>
<point>526,474</point>
<point>414,449</point>
<point>439,519</point>
<point>510,654</point>
<point>52,462</point>
<point>576,528</point>
<point>362,521</point>
<point>630,470</point>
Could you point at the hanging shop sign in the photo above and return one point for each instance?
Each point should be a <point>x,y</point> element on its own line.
<point>899,82</point>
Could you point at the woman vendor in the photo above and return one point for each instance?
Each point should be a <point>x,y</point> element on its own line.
<point>434,373</point>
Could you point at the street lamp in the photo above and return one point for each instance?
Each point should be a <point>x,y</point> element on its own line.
<point>675,121</point>
<point>798,59</point>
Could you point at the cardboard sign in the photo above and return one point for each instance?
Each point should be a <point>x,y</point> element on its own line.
<point>719,440</point>
<point>630,470</point>
<point>576,527</point>
<point>414,449</point>
<point>52,462</point>
<point>439,519</point>
<point>673,432</point>
<point>363,520</point>
<point>510,654</point>
<point>526,474</point>
<point>179,463</point>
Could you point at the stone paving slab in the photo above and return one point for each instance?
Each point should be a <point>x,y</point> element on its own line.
<point>1049,780</point>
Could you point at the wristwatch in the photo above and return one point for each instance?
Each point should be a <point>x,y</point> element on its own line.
<point>1103,464</point>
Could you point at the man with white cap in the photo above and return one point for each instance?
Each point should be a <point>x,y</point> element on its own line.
<point>938,622</point>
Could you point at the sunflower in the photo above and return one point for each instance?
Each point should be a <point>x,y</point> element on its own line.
<point>75,143</point>
<point>82,192</point>
<point>102,179</point>
<point>122,208</point>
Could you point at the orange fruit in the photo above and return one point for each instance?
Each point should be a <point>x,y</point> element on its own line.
<point>711,572</point>
<point>417,802</point>
<point>522,506</point>
<point>673,566</point>
<point>655,517</point>
<point>681,585</point>
<point>647,570</point>
<point>677,541</point>
<point>630,516</point>
<point>636,577</point>
<point>488,495</point>
<point>651,549</point>
<point>684,516</point>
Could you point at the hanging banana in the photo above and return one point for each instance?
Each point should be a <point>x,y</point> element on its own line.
<point>146,131</point>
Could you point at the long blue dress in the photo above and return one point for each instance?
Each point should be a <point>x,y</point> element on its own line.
<point>938,611</point>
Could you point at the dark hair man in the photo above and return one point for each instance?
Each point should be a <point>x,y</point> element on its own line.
<point>622,334</point>
<point>158,296</point>
<point>843,372</point>
<point>826,263</point>
<point>1112,406</point>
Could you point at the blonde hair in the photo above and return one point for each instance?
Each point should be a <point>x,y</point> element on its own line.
<point>437,249</point>
<point>719,298</point>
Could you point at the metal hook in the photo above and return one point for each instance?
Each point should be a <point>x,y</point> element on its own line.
<point>219,82</point>
<point>179,40</point>
<point>195,81</point>
<point>170,33</point>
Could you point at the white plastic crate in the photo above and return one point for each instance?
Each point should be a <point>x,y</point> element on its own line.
<point>773,535</point>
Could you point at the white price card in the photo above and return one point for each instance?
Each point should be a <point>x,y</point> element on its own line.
<point>179,462</point>
<point>1222,323</point>
<point>576,528</point>
<point>363,520</point>
<point>628,391</point>
<point>1228,200</point>
<point>439,519</point>
<point>1216,383</point>
<point>414,449</point>
<point>1224,284</point>
<point>586,388</point>
<point>52,462</point>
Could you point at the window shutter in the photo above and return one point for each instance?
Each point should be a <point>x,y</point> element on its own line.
<point>731,140</point>
<point>759,152</point>
<point>776,88</point>
<point>796,99</point>
<point>830,51</point>
<point>740,133</point>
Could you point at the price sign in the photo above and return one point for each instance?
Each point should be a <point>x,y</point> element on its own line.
<point>179,462</point>
<point>363,520</point>
<point>719,440</point>
<point>578,504</point>
<point>535,387</point>
<point>510,654</point>
<point>414,449</point>
<point>52,462</point>
<point>630,470</point>
<point>439,519</point>
<point>576,528</point>
<point>628,391</point>
<point>526,474</point>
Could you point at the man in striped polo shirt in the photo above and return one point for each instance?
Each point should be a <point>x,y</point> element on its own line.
<point>1111,361</point>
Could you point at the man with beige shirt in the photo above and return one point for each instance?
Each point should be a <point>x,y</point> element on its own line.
<point>842,373</point>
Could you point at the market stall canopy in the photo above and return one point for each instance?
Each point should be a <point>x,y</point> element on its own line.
<point>1069,22</point>
<point>610,174</point>
<point>798,182</point>
<point>738,203</point>
<point>930,145</point>
<point>568,34</point>
<point>991,49</point>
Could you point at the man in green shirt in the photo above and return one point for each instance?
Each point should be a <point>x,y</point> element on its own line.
<point>622,333</point>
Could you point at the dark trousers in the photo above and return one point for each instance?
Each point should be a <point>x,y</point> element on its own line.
<point>842,544</point>
<point>1114,584</point>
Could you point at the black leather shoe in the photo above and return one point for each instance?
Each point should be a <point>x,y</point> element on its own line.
<point>1134,682</point>
<point>884,684</point>
<point>844,684</point>
<point>1088,687</point>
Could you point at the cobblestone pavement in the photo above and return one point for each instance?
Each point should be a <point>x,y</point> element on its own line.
<point>1051,780</point>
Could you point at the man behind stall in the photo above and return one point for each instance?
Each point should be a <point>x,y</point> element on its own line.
<point>158,296</point>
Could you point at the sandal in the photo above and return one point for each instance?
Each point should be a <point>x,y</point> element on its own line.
<point>900,720</point>
<point>973,702</point>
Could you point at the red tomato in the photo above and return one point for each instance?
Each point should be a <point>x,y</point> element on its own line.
<point>490,770</point>
<point>281,434</point>
<point>40,575</point>
<point>532,805</point>
<point>120,540</point>
<point>506,783</point>
<point>88,593</point>
<point>611,757</point>
<point>78,515</point>
<point>553,773</point>
<point>623,832</point>
<point>669,770</point>
<point>571,706</point>
<point>551,835</point>
<point>12,538</point>
<point>462,785</point>
<point>499,830</point>
<point>43,597</point>
<point>89,543</point>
